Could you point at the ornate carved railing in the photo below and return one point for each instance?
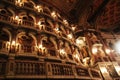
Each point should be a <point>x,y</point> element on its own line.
<point>29,68</point>
<point>2,67</point>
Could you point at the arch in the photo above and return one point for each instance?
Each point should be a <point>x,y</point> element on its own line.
<point>19,35</point>
<point>52,39</point>
<point>50,23</point>
<point>30,34</point>
<point>34,18</point>
<point>5,12</point>
<point>43,37</point>
<point>26,41</point>
<point>46,9</point>
<point>24,33</point>
<point>29,4</point>
<point>11,11</point>
<point>9,33</point>
<point>21,14</point>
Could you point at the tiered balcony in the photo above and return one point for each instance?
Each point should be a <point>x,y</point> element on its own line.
<point>35,69</point>
<point>5,18</point>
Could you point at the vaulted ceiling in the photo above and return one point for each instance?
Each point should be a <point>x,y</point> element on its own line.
<point>103,13</point>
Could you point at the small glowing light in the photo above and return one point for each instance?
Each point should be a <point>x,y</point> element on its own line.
<point>78,41</point>
<point>13,43</point>
<point>19,2</point>
<point>40,46</point>
<point>8,43</point>
<point>108,51</point>
<point>57,30</point>
<point>73,28</point>
<point>69,36</point>
<point>62,51</point>
<point>103,70</point>
<point>39,8</point>
<point>117,46</point>
<point>94,50</point>
<point>16,18</point>
<point>76,56</point>
<point>39,23</point>
<point>53,14</point>
<point>117,69</point>
<point>65,22</point>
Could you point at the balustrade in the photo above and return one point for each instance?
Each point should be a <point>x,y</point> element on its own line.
<point>5,18</point>
<point>28,23</point>
<point>4,47</point>
<point>29,68</point>
<point>62,70</point>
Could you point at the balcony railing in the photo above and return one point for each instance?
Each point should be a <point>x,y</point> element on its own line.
<point>29,68</point>
<point>27,23</point>
<point>5,18</point>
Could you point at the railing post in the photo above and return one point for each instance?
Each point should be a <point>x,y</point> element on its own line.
<point>48,70</point>
<point>10,65</point>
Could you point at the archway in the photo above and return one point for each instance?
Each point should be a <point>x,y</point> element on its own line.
<point>27,42</point>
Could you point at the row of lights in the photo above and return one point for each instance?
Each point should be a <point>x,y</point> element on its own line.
<point>39,8</point>
<point>13,46</point>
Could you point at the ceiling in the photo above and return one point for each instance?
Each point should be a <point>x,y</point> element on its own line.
<point>103,13</point>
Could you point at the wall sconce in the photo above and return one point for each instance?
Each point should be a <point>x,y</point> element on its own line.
<point>19,2</point>
<point>107,51</point>
<point>39,8</point>
<point>118,69</point>
<point>65,22</point>
<point>76,56</point>
<point>86,61</point>
<point>73,28</point>
<point>40,25</point>
<point>104,70</point>
<point>57,30</point>
<point>17,19</point>
<point>70,36</point>
<point>41,49</point>
<point>62,52</point>
<point>79,42</point>
<point>53,14</point>
<point>94,50</point>
<point>12,46</point>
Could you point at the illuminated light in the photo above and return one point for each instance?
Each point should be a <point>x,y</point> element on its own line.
<point>57,30</point>
<point>85,61</point>
<point>78,41</point>
<point>39,8</point>
<point>94,50</point>
<point>118,69</point>
<point>13,43</point>
<point>69,36</point>
<point>73,28</point>
<point>8,43</point>
<point>40,46</point>
<point>42,49</point>
<point>76,56</point>
<point>19,2</point>
<point>103,70</point>
<point>117,47</point>
<point>62,51</point>
<point>39,23</point>
<point>53,14</point>
<point>108,51</point>
<point>16,18</point>
<point>65,22</point>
